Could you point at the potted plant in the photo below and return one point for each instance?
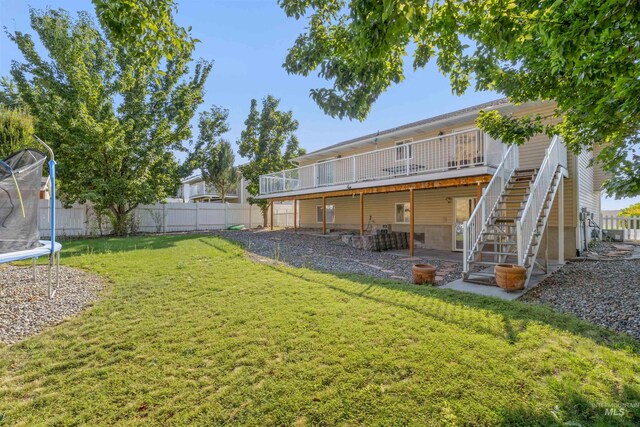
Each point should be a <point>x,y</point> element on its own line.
<point>510,277</point>
<point>424,273</point>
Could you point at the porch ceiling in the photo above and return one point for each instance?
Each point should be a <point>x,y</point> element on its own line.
<point>389,188</point>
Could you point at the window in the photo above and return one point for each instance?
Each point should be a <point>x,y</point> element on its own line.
<point>331,213</point>
<point>402,213</point>
<point>404,151</point>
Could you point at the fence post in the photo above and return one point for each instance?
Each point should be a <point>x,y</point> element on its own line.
<point>226,205</point>
<point>197,210</point>
<point>164,217</point>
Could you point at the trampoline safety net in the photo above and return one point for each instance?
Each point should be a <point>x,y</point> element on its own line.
<point>20,180</point>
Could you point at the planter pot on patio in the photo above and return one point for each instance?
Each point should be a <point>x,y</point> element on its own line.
<point>424,273</point>
<point>510,277</point>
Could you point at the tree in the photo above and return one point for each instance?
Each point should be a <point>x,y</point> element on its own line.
<point>9,96</point>
<point>146,27</point>
<point>633,210</point>
<point>269,143</point>
<point>583,54</point>
<point>211,124</point>
<point>113,120</point>
<point>219,170</point>
<point>16,131</point>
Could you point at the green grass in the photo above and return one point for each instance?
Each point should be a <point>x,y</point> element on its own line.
<point>192,332</point>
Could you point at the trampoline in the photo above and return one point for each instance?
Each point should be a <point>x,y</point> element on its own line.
<point>20,184</point>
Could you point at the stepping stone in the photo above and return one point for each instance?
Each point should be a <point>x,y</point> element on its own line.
<point>388,271</point>
<point>399,278</point>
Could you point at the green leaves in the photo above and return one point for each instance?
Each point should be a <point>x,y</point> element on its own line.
<point>16,131</point>
<point>112,119</point>
<point>268,142</point>
<point>585,55</point>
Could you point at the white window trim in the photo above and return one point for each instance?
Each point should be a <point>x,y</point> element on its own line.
<point>401,143</point>
<point>395,211</point>
<point>328,222</point>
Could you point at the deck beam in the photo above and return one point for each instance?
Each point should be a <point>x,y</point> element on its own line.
<point>424,185</point>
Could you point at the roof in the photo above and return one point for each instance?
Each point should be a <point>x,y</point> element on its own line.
<point>503,102</point>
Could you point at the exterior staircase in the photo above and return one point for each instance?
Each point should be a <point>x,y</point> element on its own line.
<point>510,219</point>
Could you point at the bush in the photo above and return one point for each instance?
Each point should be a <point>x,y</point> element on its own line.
<point>16,131</point>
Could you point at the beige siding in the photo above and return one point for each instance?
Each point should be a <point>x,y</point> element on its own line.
<point>433,213</point>
<point>599,175</point>
<point>586,196</point>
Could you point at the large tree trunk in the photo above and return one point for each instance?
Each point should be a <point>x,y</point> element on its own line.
<point>120,222</point>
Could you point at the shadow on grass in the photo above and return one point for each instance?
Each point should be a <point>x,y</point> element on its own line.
<point>99,245</point>
<point>437,303</point>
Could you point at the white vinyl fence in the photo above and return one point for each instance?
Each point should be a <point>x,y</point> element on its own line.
<point>629,226</point>
<point>81,220</point>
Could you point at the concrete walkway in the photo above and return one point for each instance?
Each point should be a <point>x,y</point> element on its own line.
<point>537,276</point>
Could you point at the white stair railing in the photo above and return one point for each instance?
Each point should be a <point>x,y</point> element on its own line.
<point>527,226</point>
<point>474,227</point>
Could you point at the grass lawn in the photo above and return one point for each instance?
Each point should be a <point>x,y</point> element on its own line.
<point>193,332</point>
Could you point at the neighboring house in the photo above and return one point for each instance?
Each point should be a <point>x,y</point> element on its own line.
<point>193,189</point>
<point>428,178</point>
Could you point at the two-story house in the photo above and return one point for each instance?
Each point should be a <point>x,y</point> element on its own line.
<point>450,186</point>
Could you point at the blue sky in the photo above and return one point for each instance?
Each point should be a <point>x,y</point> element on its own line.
<point>248,40</point>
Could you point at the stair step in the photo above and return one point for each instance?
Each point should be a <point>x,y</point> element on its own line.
<point>492,242</point>
<point>490,263</point>
<point>497,253</point>
<point>488,281</point>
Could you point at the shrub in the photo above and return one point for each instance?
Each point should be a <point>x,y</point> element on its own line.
<point>16,131</point>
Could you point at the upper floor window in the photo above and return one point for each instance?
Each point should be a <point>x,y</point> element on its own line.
<point>404,151</point>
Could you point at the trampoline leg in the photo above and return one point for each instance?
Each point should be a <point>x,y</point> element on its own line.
<point>58,272</point>
<point>49,275</point>
<point>33,264</point>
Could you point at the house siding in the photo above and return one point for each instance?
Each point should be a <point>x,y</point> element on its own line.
<point>434,207</point>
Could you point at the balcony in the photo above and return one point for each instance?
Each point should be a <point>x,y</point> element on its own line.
<point>202,190</point>
<point>449,155</point>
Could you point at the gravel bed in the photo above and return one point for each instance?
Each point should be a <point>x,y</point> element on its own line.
<point>610,250</point>
<point>330,254</point>
<point>603,292</point>
<point>25,307</point>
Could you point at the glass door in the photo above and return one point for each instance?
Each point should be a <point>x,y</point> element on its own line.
<point>462,208</point>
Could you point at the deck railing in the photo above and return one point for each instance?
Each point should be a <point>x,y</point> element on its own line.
<point>487,203</point>
<point>445,152</point>
<point>202,189</point>
<point>556,156</point>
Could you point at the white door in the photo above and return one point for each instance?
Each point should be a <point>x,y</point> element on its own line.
<point>462,208</point>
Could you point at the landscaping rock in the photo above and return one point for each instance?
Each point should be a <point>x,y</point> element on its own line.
<point>25,307</point>
<point>603,292</point>
<point>331,254</point>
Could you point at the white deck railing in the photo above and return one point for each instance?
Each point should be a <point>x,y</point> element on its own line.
<point>474,226</point>
<point>556,156</point>
<point>445,152</point>
<point>202,189</point>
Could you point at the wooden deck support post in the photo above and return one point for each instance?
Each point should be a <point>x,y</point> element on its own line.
<point>295,215</point>
<point>271,207</point>
<point>324,215</point>
<point>411,217</point>
<point>361,214</point>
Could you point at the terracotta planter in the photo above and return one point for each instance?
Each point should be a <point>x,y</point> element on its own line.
<point>510,277</point>
<point>424,273</point>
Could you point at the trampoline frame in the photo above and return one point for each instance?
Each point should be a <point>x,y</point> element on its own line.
<point>51,248</point>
